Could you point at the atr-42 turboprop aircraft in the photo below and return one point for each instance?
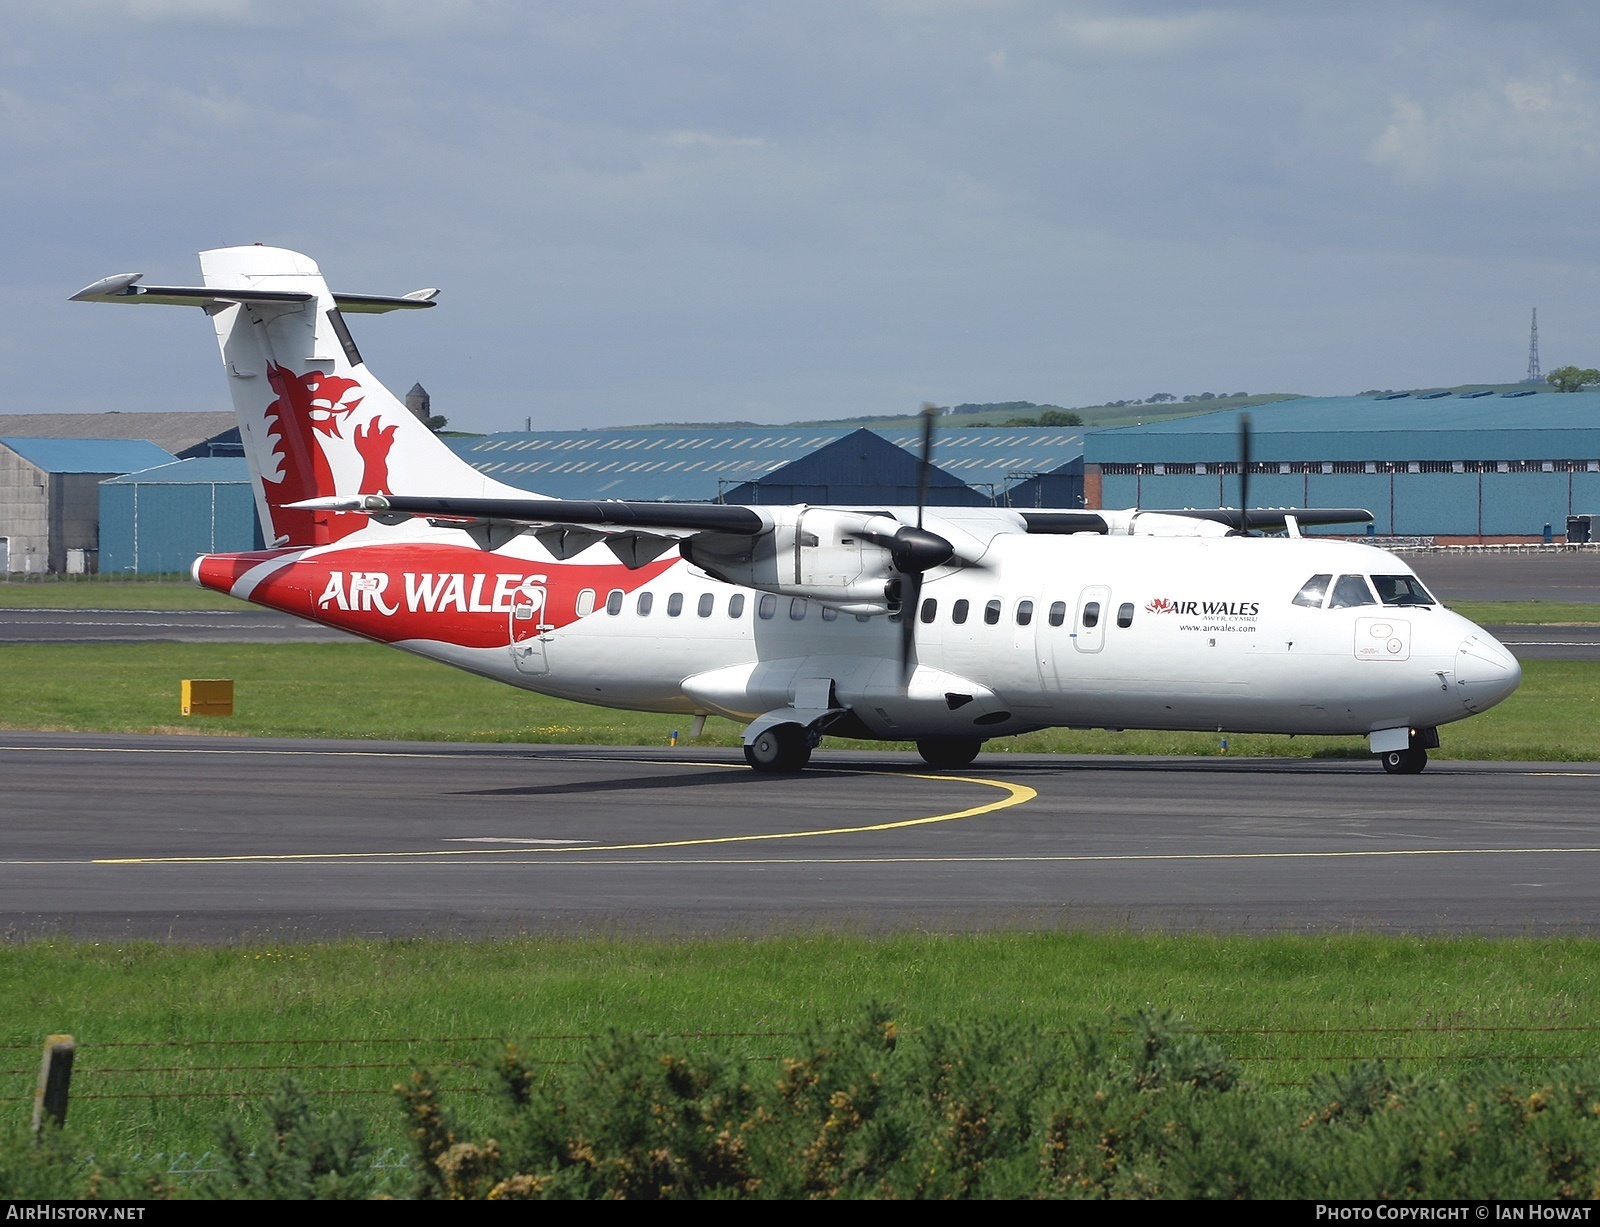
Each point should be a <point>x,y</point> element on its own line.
<point>944,626</point>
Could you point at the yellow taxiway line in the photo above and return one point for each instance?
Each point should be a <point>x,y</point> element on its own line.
<point>1015,794</point>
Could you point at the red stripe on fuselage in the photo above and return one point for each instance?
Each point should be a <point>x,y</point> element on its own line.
<point>451,594</point>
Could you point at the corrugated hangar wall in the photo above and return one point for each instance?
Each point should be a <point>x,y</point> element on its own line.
<point>1464,466</point>
<point>161,519</point>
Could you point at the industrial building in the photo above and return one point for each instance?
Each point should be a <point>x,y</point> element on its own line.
<point>1478,465</point>
<point>1032,467</point>
<point>159,519</point>
<point>1471,466</point>
<point>182,434</point>
<point>50,499</point>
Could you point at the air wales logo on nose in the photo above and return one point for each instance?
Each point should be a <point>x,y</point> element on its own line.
<point>1199,609</point>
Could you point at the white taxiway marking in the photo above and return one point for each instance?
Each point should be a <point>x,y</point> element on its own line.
<point>498,839</point>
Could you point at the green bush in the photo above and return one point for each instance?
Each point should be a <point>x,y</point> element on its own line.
<point>1145,1109</point>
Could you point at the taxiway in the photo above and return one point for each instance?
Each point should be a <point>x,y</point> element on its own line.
<point>200,838</point>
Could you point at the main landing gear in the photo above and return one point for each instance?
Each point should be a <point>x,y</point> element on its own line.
<point>782,749</point>
<point>949,751</point>
<point>1405,762</point>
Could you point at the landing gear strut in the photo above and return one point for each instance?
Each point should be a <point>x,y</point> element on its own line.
<point>782,749</point>
<point>1405,762</point>
<point>949,751</point>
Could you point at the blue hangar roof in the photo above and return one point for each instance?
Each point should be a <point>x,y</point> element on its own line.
<point>699,464</point>
<point>1532,425</point>
<point>200,471</point>
<point>89,455</point>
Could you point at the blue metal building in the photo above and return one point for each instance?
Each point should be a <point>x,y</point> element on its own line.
<point>49,499</point>
<point>160,519</point>
<point>1003,465</point>
<point>1460,465</point>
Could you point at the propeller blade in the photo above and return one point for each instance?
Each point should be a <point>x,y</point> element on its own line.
<point>910,611</point>
<point>929,411</point>
<point>1244,474</point>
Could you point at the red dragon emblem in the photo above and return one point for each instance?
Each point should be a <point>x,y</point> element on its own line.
<point>374,444</point>
<point>306,407</point>
<point>1161,605</point>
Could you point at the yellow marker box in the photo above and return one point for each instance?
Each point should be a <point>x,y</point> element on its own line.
<point>208,697</point>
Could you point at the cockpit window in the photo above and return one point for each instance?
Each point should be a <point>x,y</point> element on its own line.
<point>1312,591</point>
<point>1350,591</point>
<point>1401,590</point>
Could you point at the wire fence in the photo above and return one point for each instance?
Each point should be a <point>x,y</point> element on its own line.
<point>372,1065</point>
<point>166,1075</point>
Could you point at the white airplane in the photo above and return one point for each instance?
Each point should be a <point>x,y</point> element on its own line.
<point>942,626</point>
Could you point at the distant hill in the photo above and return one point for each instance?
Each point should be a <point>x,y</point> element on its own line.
<point>1016,412</point>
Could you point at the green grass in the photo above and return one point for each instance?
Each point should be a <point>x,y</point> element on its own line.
<point>366,691</point>
<point>119,993</point>
<point>110,592</point>
<point>1529,613</point>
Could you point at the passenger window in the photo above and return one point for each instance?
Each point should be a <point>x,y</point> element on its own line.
<point>1024,613</point>
<point>958,612</point>
<point>674,604</point>
<point>1351,591</point>
<point>707,602</point>
<point>1125,615</point>
<point>768,606</point>
<point>930,609</point>
<point>736,605</point>
<point>585,602</point>
<point>1058,612</point>
<point>991,613</point>
<point>1091,614</point>
<point>830,614</point>
<point>1401,590</point>
<point>797,608</point>
<point>614,601</point>
<point>646,600</point>
<point>1312,591</point>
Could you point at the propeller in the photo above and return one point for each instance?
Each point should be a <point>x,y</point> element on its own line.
<point>915,551</point>
<point>1244,474</point>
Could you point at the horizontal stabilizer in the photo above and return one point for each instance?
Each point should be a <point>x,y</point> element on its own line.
<point>122,288</point>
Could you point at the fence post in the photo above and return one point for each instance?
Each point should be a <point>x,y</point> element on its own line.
<point>55,1075</point>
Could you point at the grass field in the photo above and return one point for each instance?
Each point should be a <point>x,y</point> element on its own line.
<point>106,592</point>
<point>367,691</point>
<point>1528,613</point>
<point>173,1015</point>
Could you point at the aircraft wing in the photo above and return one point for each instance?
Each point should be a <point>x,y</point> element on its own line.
<point>1140,521</point>
<point>675,519</point>
<point>636,532</point>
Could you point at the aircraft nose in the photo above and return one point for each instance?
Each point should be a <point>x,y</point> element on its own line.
<point>1485,672</point>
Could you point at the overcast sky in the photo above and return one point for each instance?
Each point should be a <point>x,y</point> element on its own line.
<point>685,211</point>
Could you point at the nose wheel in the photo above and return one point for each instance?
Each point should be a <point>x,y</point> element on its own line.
<point>1405,762</point>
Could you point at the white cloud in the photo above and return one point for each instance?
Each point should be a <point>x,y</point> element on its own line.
<point>1135,35</point>
<point>1528,131</point>
<point>222,12</point>
<point>709,140</point>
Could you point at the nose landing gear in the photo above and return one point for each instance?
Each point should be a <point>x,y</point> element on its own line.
<point>1405,762</point>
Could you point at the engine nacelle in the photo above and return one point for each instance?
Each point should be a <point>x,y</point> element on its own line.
<point>1136,523</point>
<point>829,556</point>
